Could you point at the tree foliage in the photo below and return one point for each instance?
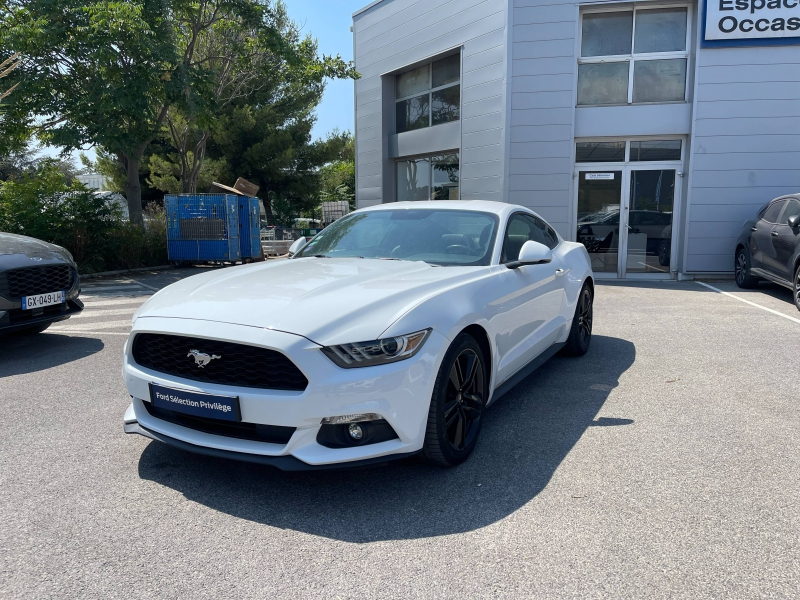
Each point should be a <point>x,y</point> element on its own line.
<point>45,204</point>
<point>114,74</point>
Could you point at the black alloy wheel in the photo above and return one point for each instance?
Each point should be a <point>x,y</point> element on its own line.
<point>797,287</point>
<point>580,335</point>
<point>742,270</point>
<point>463,400</point>
<point>455,416</point>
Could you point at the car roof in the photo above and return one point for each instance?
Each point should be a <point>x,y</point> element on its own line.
<point>498,208</point>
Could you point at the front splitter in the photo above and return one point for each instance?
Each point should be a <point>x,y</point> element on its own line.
<point>284,463</point>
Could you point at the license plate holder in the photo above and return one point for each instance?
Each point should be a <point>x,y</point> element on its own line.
<point>198,404</point>
<point>41,300</point>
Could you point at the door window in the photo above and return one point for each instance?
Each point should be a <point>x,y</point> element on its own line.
<point>773,211</point>
<point>792,209</point>
<point>523,228</point>
<point>599,197</point>
<point>649,232</point>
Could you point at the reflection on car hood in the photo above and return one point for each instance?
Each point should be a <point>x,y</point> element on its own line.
<point>11,243</point>
<point>327,300</point>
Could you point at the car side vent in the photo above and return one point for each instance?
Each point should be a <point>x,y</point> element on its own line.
<point>225,363</point>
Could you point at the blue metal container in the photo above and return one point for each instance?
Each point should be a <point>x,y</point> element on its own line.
<point>249,227</point>
<point>202,227</point>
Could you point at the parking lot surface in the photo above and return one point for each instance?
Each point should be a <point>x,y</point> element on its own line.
<point>664,463</point>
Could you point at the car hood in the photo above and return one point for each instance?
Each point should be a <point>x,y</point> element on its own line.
<point>327,300</point>
<point>11,243</point>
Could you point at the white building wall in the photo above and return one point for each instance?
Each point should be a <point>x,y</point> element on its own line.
<point>519,119</point>
<point>394,34</point>
<point>746,146</point>
<point>543,109</point>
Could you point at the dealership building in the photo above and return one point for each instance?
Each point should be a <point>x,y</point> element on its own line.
<point>649,131</point>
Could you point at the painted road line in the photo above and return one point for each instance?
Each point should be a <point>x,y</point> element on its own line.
<point>109,288</point>
<point>90,326</point>
<point>67,331</point>
<point>91,297</point>
<point>111,302</point>
<point>92,313</point>
<point>769,310</point>
<point>144,285</point>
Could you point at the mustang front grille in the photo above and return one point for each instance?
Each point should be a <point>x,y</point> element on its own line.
<point>223,362</point>
<point>27,281</point>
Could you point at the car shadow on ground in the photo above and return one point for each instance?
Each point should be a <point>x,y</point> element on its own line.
<point>20,354</point>
<point>525,437</point>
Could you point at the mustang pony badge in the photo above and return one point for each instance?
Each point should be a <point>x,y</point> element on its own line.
<point>201,359</point>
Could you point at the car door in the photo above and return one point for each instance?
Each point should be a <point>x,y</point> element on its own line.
<point>761,251</point>
<point>528,299</point>
<point>785,241</point>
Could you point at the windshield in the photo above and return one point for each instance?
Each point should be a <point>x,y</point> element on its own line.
<point>438,237</point>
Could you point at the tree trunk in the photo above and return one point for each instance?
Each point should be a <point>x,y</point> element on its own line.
<point>268,209</point>
<point>133,189</point>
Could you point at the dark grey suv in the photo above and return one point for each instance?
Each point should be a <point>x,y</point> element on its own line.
<point>39,284</point>
<point>769,246</point>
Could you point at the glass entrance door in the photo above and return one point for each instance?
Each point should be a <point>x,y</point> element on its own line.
<point>599,200</point>
<point>625,219</point>
<point>648,243</point>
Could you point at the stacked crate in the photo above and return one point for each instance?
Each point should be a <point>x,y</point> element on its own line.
<point>249,228</point>
<point>203,227</point>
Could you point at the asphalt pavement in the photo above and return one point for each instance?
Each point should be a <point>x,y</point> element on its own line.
<point>663,464</point>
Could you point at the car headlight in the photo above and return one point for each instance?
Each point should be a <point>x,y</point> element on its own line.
<point>377,352</point>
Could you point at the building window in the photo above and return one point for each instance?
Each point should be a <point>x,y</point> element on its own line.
<point>637,151</point>
<point>429,178</point>
<point>633,56</point>
<point>429,95</point>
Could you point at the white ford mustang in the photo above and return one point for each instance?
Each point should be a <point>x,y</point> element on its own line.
<point>388,334</point>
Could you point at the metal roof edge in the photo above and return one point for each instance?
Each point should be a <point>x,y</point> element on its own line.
<point>366,8</point>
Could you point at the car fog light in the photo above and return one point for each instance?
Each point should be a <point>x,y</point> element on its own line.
<point>355,431</point>
<point>358,418</point>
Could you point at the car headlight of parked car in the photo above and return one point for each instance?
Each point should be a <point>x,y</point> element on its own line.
<point>377,352</point>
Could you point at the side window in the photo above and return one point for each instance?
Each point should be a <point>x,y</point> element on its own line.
<point>517,233</point>
<point>523,228</point>
<point>549,237</point>
<point>792,209</point>
<point>773,211</point>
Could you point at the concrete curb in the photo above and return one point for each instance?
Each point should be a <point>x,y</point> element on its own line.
<point>122,272</point>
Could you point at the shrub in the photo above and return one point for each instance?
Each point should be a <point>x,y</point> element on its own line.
<point>45,205</point>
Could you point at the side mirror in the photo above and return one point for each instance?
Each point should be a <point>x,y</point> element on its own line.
<point>532,253</point>
<point>296,246</point>
<point>794,221</point>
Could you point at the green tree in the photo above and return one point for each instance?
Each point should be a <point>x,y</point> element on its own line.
<point>93,73</point>
<point>238,57</point>
<point>338,177</point>
<point>267,138</point>
<point>100,73</point>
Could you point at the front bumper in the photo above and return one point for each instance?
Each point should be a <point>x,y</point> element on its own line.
<point>399,392</point>
<point>13,318</point>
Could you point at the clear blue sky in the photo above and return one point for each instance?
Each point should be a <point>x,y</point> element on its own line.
<point>329,21</point>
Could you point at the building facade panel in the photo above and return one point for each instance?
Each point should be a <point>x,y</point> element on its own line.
<point>587,112</point>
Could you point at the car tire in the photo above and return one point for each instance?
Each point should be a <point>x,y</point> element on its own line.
<point>456,412</point>
<point>34,330</point>
<point>580,334</point>
<point>797,287</point>
<point>742,270</point>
